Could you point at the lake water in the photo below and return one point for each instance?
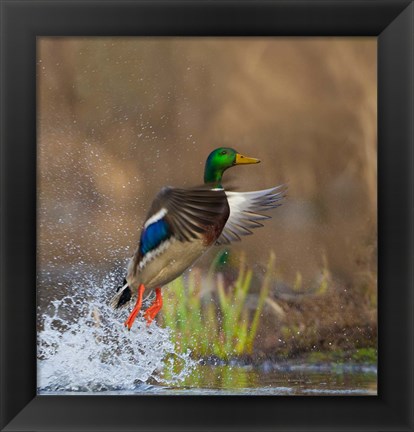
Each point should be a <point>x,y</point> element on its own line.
<point>268,379</point>
<point>271,379</point>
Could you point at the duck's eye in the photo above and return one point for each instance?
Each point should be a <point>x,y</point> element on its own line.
<point>223,152</point>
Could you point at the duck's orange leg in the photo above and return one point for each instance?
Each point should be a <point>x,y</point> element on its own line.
<point>137,308</point>
<point>152,311</point>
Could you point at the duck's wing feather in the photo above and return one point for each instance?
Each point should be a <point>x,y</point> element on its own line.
<point>188,212</point>
<point>246,210</point>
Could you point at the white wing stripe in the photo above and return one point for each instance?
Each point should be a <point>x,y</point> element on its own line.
<point>155,217</point>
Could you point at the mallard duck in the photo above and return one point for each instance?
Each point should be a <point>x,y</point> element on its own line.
<point>182,224</point>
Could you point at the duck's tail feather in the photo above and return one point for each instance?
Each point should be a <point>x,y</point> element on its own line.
<point>122,297</point>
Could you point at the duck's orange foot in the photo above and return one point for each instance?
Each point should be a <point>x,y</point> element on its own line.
<point>137,308</point>
<point>152,311</point>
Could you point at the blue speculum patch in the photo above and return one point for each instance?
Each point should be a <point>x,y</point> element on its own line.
<point>154,235</point>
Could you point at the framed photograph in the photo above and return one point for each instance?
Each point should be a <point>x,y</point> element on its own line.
<point>146,268</point>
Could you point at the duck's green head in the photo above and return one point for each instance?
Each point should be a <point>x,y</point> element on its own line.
<point>219,160</point>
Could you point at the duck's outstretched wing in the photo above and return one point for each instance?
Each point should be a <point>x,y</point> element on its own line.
<point>246,210</point>
<point>189,212</point>
<point>183,214</point>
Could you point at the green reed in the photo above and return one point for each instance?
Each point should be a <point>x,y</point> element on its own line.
<point>210,318</point>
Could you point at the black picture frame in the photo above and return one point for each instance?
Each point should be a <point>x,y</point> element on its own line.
<point>21,22</point>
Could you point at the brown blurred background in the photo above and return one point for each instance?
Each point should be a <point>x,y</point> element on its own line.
<point>118,118</point>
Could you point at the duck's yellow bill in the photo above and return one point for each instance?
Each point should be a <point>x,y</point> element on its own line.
<point>240,159</point>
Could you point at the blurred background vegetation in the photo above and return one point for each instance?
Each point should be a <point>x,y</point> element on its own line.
<point>118,118</point>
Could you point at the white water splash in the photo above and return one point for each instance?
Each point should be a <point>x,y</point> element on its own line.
<point>84,346</point>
